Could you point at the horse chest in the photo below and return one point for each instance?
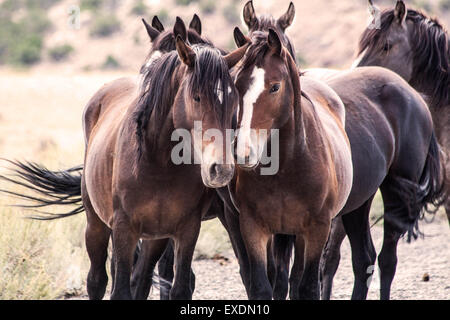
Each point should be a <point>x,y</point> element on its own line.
<point>281,207</point>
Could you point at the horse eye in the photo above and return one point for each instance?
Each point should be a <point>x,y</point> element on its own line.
<point>387,47</point>
<point>275,88</point>
<point>197,98</point>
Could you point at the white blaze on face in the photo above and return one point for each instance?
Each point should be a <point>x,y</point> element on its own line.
<point>255,89</point>
<point>358,59</point>
<point>219,92</point>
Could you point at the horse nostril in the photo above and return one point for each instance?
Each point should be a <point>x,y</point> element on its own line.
<point>213,170</point>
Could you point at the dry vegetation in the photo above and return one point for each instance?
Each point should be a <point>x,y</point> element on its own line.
<point>41,109</point>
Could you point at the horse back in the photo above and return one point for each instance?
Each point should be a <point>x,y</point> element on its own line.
<point>103,99</point>
<point>101,151</point>
<point>388,125</point>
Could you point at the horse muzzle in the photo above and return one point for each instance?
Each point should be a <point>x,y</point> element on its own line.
<point>217,175</point>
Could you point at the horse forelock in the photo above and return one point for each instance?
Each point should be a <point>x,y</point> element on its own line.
<point>211,77</point>
<point>267,21</point>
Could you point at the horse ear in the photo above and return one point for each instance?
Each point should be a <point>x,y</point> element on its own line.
<point>373,8</point>
<point>179,29</point>
<point>234,57</point>
<point>249,15</point>
<point>286,19</point>
<point>186,54</point>
<point>156,23</point>
<point>196,24</point>
<point>274,42</point>
<point>239,38</point>
<point>400,12</point>
<point>152,32</point>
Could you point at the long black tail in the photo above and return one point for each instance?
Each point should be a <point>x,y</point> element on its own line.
<point>426,196</point>
<point>53,188</point>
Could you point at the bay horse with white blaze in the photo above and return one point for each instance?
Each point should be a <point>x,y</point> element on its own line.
<point>315,168</point>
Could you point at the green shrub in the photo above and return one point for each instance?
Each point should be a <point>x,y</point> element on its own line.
<point>444,5</point>
<point>60,52</point>
<point>36,21</point>
<point>163,15</point>
<point>21,41</point>
<point>139,8</point>
<point>40,4</point>
<point>104,26</point>
<point>208,6</point>
<point>9,6</point>
<point>301,61</point>
<point>111,63</point>
<point>184,2</point>
<point>26,51</point>
<point>90,4</point>
<point>230,13</point>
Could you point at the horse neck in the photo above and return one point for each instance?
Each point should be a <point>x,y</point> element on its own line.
<point>159,144</point>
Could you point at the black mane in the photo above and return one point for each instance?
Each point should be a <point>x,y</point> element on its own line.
<point>430,53</point>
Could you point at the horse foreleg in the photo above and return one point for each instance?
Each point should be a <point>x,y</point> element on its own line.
<point>256,240</point>
<point>331,256</point>
<point>314,241</point>
<point>184,241</point>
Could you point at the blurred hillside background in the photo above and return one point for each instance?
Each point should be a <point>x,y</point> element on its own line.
<point>49,68</point>
<point>49,35</point>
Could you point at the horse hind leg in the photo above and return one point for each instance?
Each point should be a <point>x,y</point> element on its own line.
<point>142,275</point>
<point>331,256</point>
<point>165,272</point>
<point>356,224</point>
<point>387,259</point>
<point>97,238</point>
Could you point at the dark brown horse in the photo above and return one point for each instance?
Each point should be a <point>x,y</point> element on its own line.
<point>315,169</point>
<point>416,47</point>
<point>128,172</point>
<point>411,185</point>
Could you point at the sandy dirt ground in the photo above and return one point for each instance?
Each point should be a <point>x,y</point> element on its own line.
<point>220,279</point>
